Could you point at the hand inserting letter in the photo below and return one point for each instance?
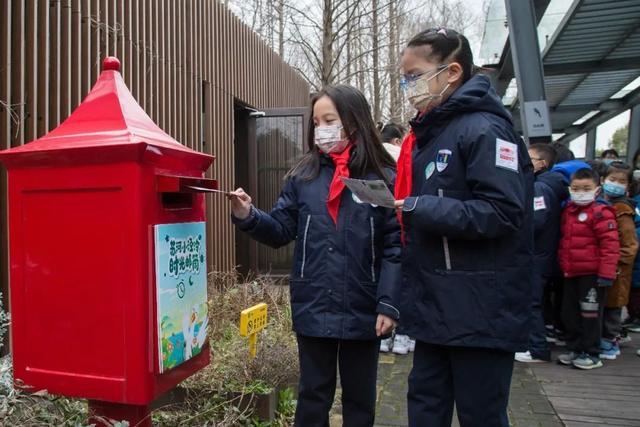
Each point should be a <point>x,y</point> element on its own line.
<point>240,203</point>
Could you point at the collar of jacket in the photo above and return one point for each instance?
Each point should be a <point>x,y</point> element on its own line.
<point>598,202</point>
<point>624,206</point>
<point>473,96</point>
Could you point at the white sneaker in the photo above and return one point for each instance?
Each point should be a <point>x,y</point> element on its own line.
<point>401,344</point>
<point>386,344</point>
<point>526,357</point>
<point>412,345</point>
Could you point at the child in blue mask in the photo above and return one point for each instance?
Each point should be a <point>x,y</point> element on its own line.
<point>615,184</point>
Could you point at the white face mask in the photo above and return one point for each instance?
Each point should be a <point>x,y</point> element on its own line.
<point>418,91</point>
<point>583,198</point>
<point>329,139</point>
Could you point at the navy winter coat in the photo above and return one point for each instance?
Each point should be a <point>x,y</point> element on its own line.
<point>635,278</point>
<point>467,266</point>
<point>341,278</point>
<point>550,194</point>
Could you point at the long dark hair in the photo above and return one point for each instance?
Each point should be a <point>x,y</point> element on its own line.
<point>447,46</point>
<point>368,153</point>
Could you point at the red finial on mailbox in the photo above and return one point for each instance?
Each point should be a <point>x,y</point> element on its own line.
<point>111,63</point>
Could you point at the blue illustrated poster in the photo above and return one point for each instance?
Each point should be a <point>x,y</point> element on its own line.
<point>181,291</point>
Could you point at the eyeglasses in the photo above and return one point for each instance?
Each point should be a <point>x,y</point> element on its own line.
<point>407,79</point>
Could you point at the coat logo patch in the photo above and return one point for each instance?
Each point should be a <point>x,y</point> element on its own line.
<point>506,155</point>
<point>539,204</point>
<point>583,217</point>
<point>442,159</point>
<point>428,171</point>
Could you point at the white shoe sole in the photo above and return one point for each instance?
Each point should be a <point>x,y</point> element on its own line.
<point>530,360</point>
<point>586,368</point>
<point>608,356</point>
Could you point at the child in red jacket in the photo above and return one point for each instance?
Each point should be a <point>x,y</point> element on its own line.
<point>588,254</point>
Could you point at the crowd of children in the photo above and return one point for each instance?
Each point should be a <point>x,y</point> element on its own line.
<point>586,291</point>
<point>586,240</point>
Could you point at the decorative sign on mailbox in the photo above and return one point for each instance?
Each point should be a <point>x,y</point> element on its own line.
<point>181,290</point>
<point>252,321</point>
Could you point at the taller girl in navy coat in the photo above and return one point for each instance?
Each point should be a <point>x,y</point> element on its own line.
<point>346,263</point>
<point>465,192</point>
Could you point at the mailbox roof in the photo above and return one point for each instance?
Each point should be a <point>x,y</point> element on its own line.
<point>108,116</point>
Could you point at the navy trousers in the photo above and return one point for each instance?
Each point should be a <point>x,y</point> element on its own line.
<point>538,345</point>
<point>320,358</point>
<point>477,380</point>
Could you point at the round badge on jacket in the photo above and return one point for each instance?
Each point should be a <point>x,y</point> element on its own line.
<point>583,217</point>
<point>428,171</point>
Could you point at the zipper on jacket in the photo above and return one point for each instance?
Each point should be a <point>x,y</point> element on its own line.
<point>445,240</point>
<point>304,246</point>
<point>373,250</point>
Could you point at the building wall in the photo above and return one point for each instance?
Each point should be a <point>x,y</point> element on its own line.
<point>175,55</point>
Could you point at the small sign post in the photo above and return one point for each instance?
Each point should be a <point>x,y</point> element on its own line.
<point>252,321</point>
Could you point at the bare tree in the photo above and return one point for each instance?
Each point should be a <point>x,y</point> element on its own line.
<point>375,45</point>
<point>351,41</point>
<point>395,103</point>
<point>265,17</point>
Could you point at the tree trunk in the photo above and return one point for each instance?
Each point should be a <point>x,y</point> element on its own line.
<point>281,28</point>
<point>376,60</point>
<point>327,45</point>
<point>395,106</point>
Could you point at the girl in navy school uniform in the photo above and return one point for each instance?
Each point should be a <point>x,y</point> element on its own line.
<point>465,194</point>
<point>346,263</point>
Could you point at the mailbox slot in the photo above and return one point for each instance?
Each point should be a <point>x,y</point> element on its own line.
<point>185,184</point>
<point>177,191</point>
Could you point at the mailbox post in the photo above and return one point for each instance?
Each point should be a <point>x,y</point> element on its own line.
<point>107,256</point>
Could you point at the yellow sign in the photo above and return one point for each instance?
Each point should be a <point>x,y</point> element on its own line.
<point>252,321</point>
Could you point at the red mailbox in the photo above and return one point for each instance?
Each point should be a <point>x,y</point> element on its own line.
<point>85,205</point>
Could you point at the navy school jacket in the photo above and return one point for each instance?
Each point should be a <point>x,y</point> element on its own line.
<point>341,278</point>
<point>550,193</point>
<point>467,266</point>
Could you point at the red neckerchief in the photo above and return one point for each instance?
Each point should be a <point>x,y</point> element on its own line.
<point>341,160</point>
<point>404,175</point>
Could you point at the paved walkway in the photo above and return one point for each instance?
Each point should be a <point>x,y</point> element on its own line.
<point>542,395</point>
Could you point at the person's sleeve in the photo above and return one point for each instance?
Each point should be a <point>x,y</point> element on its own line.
<point>498,194</point>
<point>606,230</point>
<point>628,239</point>
<point>278,227</point>
<point>541,206</point>
<point>390,269</point>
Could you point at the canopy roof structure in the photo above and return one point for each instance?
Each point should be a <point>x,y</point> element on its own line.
<point>591,63</point>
